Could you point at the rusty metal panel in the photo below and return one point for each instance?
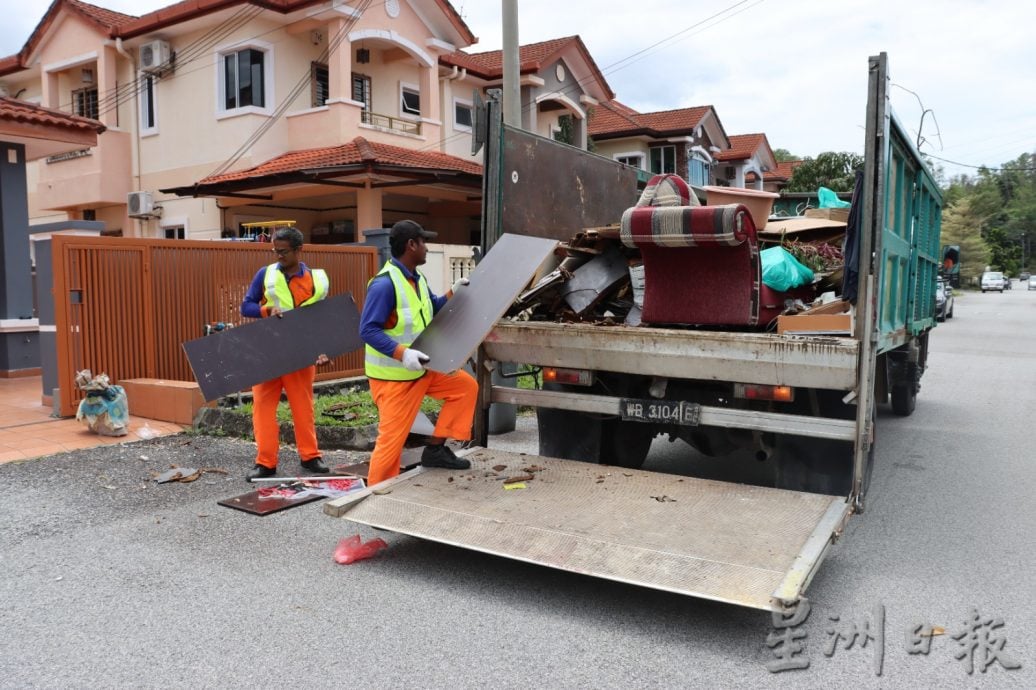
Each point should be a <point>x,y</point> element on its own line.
<point>237,359</point>
<point>549,189</point>
<point>124,306</point>
<point>814,362</point>
<point>460,326</point>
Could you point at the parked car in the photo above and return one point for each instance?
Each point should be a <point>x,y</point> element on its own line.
<point>1032,282</point>
<point>993,280</point>
<point>1023,276</point>
<point>1007,282</point>
<point>943,301</point>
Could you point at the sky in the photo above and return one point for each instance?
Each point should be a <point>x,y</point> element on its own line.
<point>795,70</point>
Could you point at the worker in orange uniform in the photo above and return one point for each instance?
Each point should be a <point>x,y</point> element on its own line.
<point>278,288</point>
<point>398,306</point>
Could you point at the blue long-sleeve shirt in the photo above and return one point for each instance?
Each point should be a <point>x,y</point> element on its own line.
<point>380,305</point>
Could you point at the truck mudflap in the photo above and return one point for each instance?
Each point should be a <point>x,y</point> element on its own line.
<point>746,545</point>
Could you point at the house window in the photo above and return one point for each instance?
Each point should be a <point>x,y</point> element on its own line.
<point>409,101</point>
<point>319,82</point>
<point>84,103</point>
<point>148,120</point>
<point>244,79</point>
<point>174,232</point>
<point>663,159</point>
<point>362,90</point>
<point>698,172</point>
<point>632,161</point>
<point>462,114</point>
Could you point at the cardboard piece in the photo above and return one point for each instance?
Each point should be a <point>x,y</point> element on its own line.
<point>167,401</point>
<point>462,325</point>
<point>841,214</point>
<point>237,359</point>
<point>806,229</point>
<point>815,324</point>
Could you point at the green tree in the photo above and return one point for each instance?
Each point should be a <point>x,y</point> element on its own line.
<point>962,226</point>
<point>784,155</point>
<point>832,169</point>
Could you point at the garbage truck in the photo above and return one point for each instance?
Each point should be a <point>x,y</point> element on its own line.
<point>803,404</point>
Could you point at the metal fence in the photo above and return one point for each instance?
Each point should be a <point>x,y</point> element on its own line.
<point>124,306</point>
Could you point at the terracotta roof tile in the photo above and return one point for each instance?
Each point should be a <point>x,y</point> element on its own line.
<point>615,119</point>
<point>357,152</point>
<point>13,110</point>
<point>100,15</point>
<point>490,64</point>
<point>742,146</point>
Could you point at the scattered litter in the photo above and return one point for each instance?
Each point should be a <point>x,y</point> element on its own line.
<point>627,474</point>
<point>449,479</point>
<point>59,578</point>
<point>352,549</point>
<point>516,485</point>
<point>532,469</point>
<point>146,432</point>
<point>599,481</point>
<point>142,457</point>
<point>203,514</point>
<point>499,468</point>
<point>185,475</point>
<point>105,408</point>
<point>381,492</point>
<point>519,478</point>
<point>664,499</point>
<point>109,486</point>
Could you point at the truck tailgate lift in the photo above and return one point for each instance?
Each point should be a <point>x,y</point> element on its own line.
<point>746,545</point>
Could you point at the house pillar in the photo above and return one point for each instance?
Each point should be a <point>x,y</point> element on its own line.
<point>50,97</point>
<point>430,94</point>
<point>340,61</point>
<point>368,209</point>
<point>580,133</point>
<point>107,69</point>
<point>19,332</point>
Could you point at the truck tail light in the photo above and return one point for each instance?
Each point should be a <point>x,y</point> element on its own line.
<point>751,391</point>
<point>573,377</point>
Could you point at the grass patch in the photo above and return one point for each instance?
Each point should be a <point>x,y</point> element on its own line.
<point>339,409</point>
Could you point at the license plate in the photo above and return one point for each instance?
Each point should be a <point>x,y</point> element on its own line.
<point>660,411</point>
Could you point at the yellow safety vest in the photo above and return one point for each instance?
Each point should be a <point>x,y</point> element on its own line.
<point>278,294</point>
<point>413,314</point>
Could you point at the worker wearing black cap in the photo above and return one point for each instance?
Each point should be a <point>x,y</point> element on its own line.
<point>398,306</point>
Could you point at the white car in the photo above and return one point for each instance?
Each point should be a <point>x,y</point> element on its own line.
<point>993,280</point>
<point>1032,282</point>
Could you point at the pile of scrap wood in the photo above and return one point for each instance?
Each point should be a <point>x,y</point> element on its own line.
<point>588,281</point>
<point>594,278</point>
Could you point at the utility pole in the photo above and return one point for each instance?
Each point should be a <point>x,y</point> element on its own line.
<point>512,89</point>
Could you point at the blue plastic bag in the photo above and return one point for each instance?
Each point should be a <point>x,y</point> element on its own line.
<point>782,271</point>
<point>829,199</point>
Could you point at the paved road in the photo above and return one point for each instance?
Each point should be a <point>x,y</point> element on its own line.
<point>107,580</point>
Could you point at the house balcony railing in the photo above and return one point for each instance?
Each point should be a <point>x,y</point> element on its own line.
<point>391,123</point>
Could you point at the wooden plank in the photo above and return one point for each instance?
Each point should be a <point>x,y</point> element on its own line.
<point>462,325</point>
<point>239,358</point>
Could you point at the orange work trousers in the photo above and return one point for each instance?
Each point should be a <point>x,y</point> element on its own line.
<point>398,404</point>
<point>265,397</point>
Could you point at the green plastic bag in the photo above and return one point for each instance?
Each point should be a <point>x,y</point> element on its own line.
<point>782,271</point>
<point>829,199</point>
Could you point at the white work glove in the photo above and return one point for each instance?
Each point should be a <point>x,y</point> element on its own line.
<point>414,360</point>
<point>461,282</point>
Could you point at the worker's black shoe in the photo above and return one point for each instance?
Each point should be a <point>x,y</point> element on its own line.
<point>260,471</point>
<point>442,456</point>
<point>315,465</point>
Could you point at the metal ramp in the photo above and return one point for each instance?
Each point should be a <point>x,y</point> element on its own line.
<point>745,545</point>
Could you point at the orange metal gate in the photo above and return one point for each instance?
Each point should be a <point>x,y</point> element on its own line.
<point>123,306</point>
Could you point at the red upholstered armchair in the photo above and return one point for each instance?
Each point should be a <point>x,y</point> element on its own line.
<point>701,263</point>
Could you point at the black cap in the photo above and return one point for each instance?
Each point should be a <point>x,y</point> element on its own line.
<point>406,230</point>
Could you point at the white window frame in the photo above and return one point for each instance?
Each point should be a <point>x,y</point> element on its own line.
<point>145,78</point>
<point>631,154</point>
<point>662,151</point>
<point>268,80</point>
<point>471,108</point>
<point>413,88</point>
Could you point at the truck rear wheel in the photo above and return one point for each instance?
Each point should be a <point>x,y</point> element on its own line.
<point>904,398</point>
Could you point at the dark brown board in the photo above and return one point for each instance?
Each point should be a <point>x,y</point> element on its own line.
<point>462,325</point>
<point>239,358</point>
<point>255,504</point>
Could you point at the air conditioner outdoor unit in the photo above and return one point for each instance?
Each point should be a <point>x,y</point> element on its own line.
<point>155,56</point>
<point>141,204</point>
